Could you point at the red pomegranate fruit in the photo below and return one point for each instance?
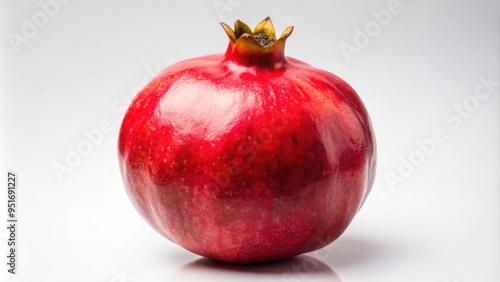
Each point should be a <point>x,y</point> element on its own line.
<point>247,156</point>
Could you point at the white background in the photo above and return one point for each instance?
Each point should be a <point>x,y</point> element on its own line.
<point>81,64</point>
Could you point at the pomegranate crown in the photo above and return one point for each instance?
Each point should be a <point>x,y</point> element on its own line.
<point>262,38</point>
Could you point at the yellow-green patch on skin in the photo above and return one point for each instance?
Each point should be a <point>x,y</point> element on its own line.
<point>319,99</point>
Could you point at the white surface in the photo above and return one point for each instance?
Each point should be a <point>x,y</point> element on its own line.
<point>82,66</point>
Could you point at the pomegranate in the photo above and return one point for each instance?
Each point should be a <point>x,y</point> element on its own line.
<point>250,155</point>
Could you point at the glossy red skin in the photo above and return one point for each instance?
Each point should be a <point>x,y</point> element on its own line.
<point>247,163</point>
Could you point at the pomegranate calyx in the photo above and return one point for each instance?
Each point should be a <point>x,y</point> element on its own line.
<point>258,47</point>
<point>263,35</point>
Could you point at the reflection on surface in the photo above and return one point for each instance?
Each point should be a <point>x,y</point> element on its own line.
<point>300,268</point>
<point>358,252</point>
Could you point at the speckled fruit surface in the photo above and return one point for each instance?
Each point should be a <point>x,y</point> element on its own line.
<point>247,156</point>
